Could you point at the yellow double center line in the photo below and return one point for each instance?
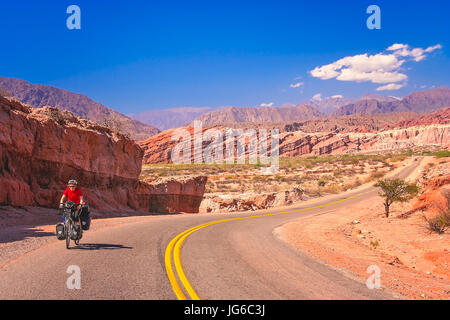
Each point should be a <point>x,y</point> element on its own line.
<point>173,249</point>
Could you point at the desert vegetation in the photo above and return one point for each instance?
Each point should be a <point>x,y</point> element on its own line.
<point>440,222</point>
<point>395,190</point>
<point>316,175</point>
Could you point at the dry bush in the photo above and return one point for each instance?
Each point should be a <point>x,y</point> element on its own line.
<point>440,222</point>
<point>334,189</point>
<point>352,184</point>
<point>376,175</point>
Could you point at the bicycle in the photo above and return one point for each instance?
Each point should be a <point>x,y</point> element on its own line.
<point>73,230</point>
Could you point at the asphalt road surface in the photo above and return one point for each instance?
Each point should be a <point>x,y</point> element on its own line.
<point>225,258</point>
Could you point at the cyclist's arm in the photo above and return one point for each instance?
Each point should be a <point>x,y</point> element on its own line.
<point>62,199</point>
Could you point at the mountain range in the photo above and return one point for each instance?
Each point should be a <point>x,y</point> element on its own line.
<point>146,124</point>
<point>418,102</point>
<point>262,114</point>
<point>165,119</point>
<point>421,101</point>
<point>39,96</point>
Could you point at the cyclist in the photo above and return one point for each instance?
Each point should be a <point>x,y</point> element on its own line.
<point>72,193</point>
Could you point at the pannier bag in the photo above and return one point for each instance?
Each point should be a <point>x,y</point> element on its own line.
<point>60,231</point>
<point>85,218</point>
<point>75,232</point>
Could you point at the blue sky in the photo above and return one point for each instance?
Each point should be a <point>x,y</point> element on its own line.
<point>138,55</point>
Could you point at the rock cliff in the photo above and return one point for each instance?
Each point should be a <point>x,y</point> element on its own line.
<point>41,149</point>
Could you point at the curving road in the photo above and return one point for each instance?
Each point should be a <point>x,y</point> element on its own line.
<point>239,258</point>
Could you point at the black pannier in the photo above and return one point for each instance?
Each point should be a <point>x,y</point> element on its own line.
<point>85,217</point>
<point>60,234</point>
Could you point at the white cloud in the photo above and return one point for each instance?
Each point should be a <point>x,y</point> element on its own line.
<point>317,97</point>
<point>266,104</point>
<point>417,54</point>
<point>337,96</point>
<point>296,85</point>
<point>377,68</point>
<point>390,86</point>
<point>397,46</point>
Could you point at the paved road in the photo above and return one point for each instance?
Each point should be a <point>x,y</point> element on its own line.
<point>236,259</point>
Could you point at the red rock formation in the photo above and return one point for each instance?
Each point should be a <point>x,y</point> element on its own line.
<point>438,117</point>
<point>251,202</point>
<point>183,194</point>
<point>434,184</point>
<point>41,149</point>
<point>292,144</point>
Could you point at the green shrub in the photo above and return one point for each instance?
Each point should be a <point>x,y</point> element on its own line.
<point>443,154</point>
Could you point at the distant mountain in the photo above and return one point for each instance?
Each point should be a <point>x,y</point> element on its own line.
<point>331,104</point>
<point>427,101</point>
<point>343,124</point>
<point>170,118</point>
<point>38,96</point>
<point>232,115</point>
<point>368,107</point>
<point>422,102</point>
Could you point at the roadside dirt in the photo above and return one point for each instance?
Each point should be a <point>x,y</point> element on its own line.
<point>413,262</point>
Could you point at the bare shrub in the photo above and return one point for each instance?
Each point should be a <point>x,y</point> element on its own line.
<point>376,175</point>
<point>440,222</point>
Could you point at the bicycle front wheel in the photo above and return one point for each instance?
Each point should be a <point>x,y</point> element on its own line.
<point>68,232</point>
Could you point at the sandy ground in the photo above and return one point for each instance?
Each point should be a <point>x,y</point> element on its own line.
<point>413,262</point>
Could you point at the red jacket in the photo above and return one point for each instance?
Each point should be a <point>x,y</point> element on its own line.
<point>74,196</point>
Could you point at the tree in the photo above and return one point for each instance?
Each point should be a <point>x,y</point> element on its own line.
<point>396,190</point>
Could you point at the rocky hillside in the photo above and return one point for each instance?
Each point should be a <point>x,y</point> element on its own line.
<point>422,102</point>
<point>157,149</point>
<point>42,148</point>
<point>301,144</point>
<point>435,188</point>
<point>39,96</point>
<point>439,117</point>
<point>232,115</point>
<point>350,123</point>
<point>331,104</point>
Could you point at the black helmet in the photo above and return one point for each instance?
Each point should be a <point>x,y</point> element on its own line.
<point>72,182</point>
